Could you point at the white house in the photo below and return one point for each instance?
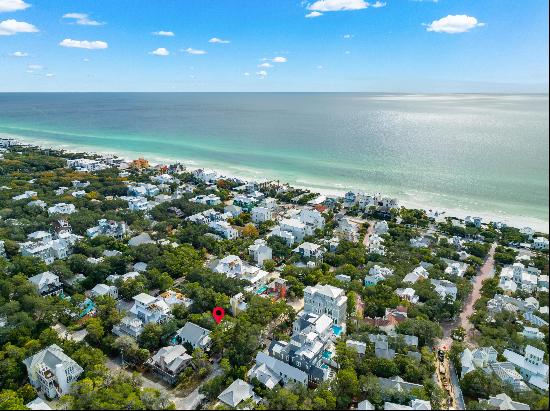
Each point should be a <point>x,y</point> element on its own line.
<point>85,165</point>
<point>445,288</point>
<point>169,362</point>
<point>206,175</point>
<point>52,372</point>
<point>530,366</point>
<point>47,284</point>
<point>238,392</point>
<point>310,250</point>
<point>419,273</point>
<point>456,268</point>
<point>407,294</point>
<point>150,309</point>
<point>261,215</point>
<point>295,227</point>
<point>25,195</point>
<point>138,204</point>
<point>313,220</point>
<point>143,190</point>
<point>61,208</point>
<point>109,228</point>
<point>381,227</point>
<point>286,236</point>
<point>377,274</point>
<point>540,243</point>
<point>533,333</point>
<point>326,299</point>
<point>527,232</point>
<point>207,199</point>
<point>504,402</point>
<point>224,229</point>
<point>104,289</point>
<point>479,358</point>
<point>233,267</point>
<point>260,251</point>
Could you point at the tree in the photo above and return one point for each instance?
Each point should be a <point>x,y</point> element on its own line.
<point>95,330</point>
<point>346,387</point>
<point>424,329</point>
<point>250,231</point>
<point>10,400</point>
<point>478,384</point>
<point>151,336</point>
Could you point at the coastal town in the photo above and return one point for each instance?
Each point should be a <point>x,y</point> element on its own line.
<point>110,270</point>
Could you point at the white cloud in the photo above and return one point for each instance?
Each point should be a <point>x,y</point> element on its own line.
<point>84,44</point>
<point>194,51</point>
<point>35,67</point>
<point>12,5</point>
<point>265,65</point>
<point>347,52</point>
<point>279,59</point>
<point>313,14</point>
<point>11,27</point>
<point>161,51</point>
<point>19,54</point>
<point>347,36</point>
<point>261,73</point>
<point>164,33</point>
<point>246,74</point>
<point>379,4</point>
<point>453,24</point>
<point>50,75</point>
<point>86,60</point>
<point>320,67</point>
<point>218,41</point>
<point>82,19</point>
<point>337,5</point>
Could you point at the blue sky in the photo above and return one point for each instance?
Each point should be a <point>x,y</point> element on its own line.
<point>270,45</point>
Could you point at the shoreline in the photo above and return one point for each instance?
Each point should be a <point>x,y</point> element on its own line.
<point>241,173</point>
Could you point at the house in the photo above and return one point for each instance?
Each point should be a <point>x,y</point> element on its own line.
<point>38,404</point>
<point>377,274</point>
<point>310,251</point>
<point>143,190</point>
<point>237,304</point>
<point>270,371</point>
<point>224,229</point>
<point>207,216</point>
<point>164,179</point>
<point>416,404</point>
<point>173,298</point>
<point>238,392</point>
<point>456,268</point>
<point>80,184</point>
<point>246,202</point>
<point>140,239</point>
<point>506,372</point>
<point>419,242</point>
<point>234,210</point>
<point>310,347</point>
<point>391,318</point>
<point>358,346</point>
<point>78,193</point>
<point>261,215</point>
<point>233,267</point>
<point>419,273</point>
<point>138,204</point>
<point>25,195</point>
<point>47,284</point>
<point>108,228</point>
<point>326,299</point>
<point>286,236</point>
<point>207,199</point>
<point>530,366</point>
<point>376,245</point>
<point>129,326</point>
<point>540,243</point>
<point>347,230</point>
<point>85,165</point>
<point>169,362</point>
<point>365,405</point>
<point>150,309</point>
<point>381,227</point>
<point>503,402</point>
<point>527,232</point>
<point>407,294</point>
<point>533,333</point>
<point>2,249</point>
<point>195,336</point>
<point>478,358</point>
<point>381,346</point>
<point>512,277</point>
<point>295,227</point>
<point>445,288</point>
<point>37,203</point>
<point>397,384</point>
<point>206,175</point>
<point>104,290</point>
<point>260,251</point>
<point>52,372</point>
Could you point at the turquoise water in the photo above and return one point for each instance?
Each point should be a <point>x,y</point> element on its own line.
<point>484,154</point>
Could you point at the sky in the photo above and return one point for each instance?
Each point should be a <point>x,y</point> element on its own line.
<point>410,46</point>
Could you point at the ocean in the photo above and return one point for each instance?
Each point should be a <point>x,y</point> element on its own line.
<point>467,153</point>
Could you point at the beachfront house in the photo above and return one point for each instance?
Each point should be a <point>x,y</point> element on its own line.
<point>326,299</point>
<point>52,372</point>
<point>85,165</point>
<point>540,243</point>
<point>206,175</point>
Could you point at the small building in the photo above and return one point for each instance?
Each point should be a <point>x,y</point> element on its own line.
<point>270,372</point>
<point>104,290</point>
<point>326,299</point>
<point>310,251</point>
<point>260,251</point>
<point>504,402</point>
<point>261,215</point>
<point>238,392</point>
<point>61,208</point>
<point>47,284</point>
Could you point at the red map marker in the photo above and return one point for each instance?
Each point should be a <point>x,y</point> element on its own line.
<point>218,313</point>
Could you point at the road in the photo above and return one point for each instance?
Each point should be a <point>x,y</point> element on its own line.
<point>486,271</point>
<point>190,402</point>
